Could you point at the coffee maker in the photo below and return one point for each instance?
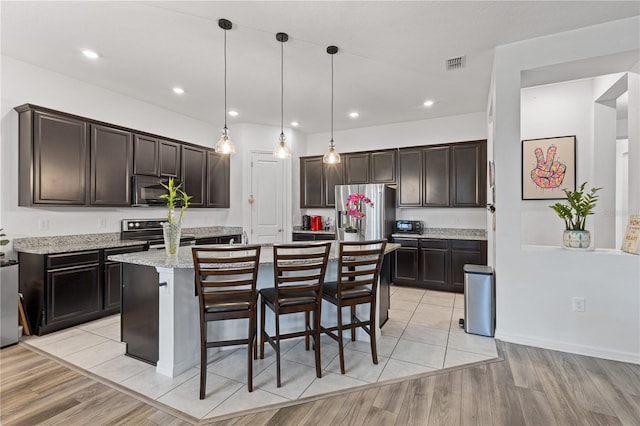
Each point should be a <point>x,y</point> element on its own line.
<point>306,222</point>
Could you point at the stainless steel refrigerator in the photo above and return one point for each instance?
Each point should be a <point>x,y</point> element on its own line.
<point>378,221</point>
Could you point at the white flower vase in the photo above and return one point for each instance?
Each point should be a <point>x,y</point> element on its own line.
<point>171,233</point>
<point>352,236</point>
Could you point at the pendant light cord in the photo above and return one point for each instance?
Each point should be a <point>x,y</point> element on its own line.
<point>225,79</point>
<point>282,88</point>
<point>331,98</point>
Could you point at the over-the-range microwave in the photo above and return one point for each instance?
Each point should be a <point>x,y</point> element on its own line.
<point>146,190</point>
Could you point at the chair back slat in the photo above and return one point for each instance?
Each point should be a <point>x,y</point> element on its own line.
<point>226,273</point>
<point>300,267</point>
<point>359,264</point>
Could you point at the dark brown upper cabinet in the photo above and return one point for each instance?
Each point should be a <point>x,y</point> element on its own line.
<point>383,166</point>
<point>66,159</point>
<point>410,177</point>
<point>469,174</point>
<point>194,177</point>
<point>333,174</point>
<point>155,157</point>
<point>111,160</point>
<point>436,176</point>
<point>218,172</point>
<point>450,175</point>
<point>318,182</point>
<point>356,168</point>
<point>311,182</point>
<point>53,158</point>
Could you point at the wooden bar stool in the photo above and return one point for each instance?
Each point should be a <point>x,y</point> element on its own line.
<point>298,273</point>
<point>359,266</point>
<point>226,279</point>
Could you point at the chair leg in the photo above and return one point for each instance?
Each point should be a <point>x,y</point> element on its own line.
<point>353,317</point>
<point>262,332</point>
<point>307,329</point>
<point>316,342</point>
<point>203,359</point>
<point>372,329</point>
<point>278,381</point>
<point>250,350</point>
<point>340,342</point>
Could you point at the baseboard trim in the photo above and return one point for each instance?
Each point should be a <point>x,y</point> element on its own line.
<point>593,351</point>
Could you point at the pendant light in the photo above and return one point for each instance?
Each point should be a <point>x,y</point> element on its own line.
<point>282,150</point>
<point>331,156</point>
<point>225,145</point>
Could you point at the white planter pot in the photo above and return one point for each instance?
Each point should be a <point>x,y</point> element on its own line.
<point>352,236</point>
<point>576,239</point>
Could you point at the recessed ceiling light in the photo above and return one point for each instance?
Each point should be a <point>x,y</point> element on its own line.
<point>428,103</point>
<point>90,54</point>
<point>178,90</point>
<point>233,113</point>
<point>295,123</point>
<point>354,114</point>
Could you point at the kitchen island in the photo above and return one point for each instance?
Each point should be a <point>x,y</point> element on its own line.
<point>160,309</point>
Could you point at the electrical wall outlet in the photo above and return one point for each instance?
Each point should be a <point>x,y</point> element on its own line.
<point>578,304</point>
<point>43,224</point>
<point>102,223</point>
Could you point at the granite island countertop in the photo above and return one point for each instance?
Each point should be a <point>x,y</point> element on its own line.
<point>71,243</point>
<point>183,260</point>
<point>448,234</point>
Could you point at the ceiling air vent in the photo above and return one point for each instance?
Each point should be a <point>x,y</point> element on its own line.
<point>456,63</point>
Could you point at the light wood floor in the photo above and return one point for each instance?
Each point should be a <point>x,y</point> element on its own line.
<point>530,386</point>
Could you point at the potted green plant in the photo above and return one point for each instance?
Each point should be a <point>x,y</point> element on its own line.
<point>580,205</point>
<point>175,197</point>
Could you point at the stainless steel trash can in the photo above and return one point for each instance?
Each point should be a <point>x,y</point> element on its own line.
<point>8,303</point>
<point>479,300</point>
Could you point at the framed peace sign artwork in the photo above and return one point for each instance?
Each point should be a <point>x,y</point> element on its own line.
<point>548,167</point>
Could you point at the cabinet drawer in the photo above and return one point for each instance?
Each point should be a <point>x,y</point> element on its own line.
<point>56,261</point>
<point>121,250</point>
<point>406,242</point>
<point>435,244</point>
<point>469,245</point>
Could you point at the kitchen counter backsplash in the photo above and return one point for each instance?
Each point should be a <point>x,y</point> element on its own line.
<point>69,243</point>
<point>448,234</point>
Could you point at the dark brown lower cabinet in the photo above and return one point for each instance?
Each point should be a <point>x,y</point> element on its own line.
<point>73,293</point>
<point>436,264</point>
<point>112,278</point>
<point>65,289</point>
<point>225,239</point>
<point>308,236</point>
<point>140,312</point>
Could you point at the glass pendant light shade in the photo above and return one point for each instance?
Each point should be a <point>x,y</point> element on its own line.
<point>225,145</point>
<point>282,149</point>
<point>331,156</point>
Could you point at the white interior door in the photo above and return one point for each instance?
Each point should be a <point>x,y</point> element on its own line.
<point>267,189</point>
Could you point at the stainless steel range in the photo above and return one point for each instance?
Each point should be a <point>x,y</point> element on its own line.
<point>150,230</point>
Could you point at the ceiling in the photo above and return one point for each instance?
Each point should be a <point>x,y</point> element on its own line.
<point>392,54</point>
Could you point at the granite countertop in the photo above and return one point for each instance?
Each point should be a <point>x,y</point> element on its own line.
<point>299,230</point>
<point>71,243</point>
<point>448,234</point>
<point>183,260</point>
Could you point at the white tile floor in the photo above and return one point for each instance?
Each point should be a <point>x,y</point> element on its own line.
<point>422,335</point>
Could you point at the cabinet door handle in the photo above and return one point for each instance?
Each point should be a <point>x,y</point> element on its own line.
<point>163,284</point>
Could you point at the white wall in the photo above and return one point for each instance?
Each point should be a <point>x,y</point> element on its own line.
<point>23,83</point>
<point>458,128</point>
<point>535,286</point>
